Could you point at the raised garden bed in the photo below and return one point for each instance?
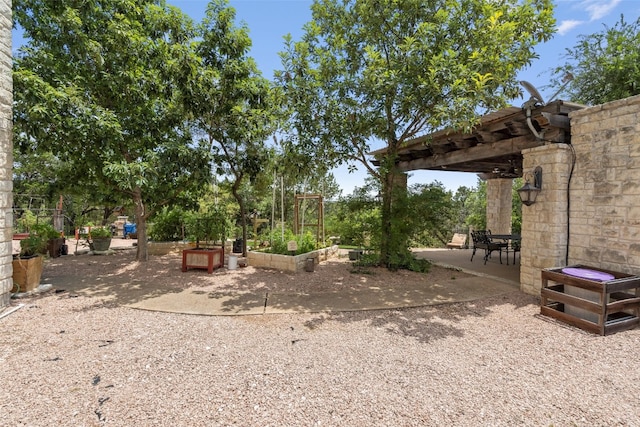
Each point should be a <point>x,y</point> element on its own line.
<point>293,263</point>
<point>203,258</point>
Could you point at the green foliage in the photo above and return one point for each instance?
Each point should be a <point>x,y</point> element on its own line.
<point>419,265</point>
<point>100,232</point>
<point>367,259</point>
<point>516,207</point>
<point>26,221</point>
<point>232,104</point>
<point>279,245</point>
<point>101,86</point>
<point>175,223</point>
<point>169,224</point>
<point>476,205</point>
<point>604,65</point>
<point>356,217</point>
<point>39,236</point>
<point>432,214</point>
<point>207,229</point>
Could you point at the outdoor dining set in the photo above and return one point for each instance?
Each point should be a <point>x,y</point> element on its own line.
<point>483,239</point>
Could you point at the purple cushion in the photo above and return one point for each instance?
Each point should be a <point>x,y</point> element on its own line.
<point>585,273</point>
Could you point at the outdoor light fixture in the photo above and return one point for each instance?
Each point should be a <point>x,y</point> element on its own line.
<point>528,193</point>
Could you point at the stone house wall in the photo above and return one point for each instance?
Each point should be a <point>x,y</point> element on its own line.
<point>599,220</point>
<point>6,153</point>
<point>605,206</point>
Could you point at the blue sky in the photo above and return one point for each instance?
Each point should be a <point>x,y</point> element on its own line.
<point>269,20</point>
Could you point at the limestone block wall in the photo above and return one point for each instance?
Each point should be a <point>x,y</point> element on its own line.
<point>599,222</point>
<point>499,193</point>
<point>6,153</point>
<point>544,224</point>
<point>605,192</point>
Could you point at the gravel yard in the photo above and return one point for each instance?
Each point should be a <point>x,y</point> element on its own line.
<point>72,359</point>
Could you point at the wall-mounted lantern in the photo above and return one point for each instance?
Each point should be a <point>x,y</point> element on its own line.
<point>528,193</point>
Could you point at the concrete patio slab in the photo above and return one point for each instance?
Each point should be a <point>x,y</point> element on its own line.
<point>461,290</point>
<point>238,304</point>
<point>205,303</point>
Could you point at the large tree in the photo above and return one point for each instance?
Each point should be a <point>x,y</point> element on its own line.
<point>605,66</point>
<point>101,84</point>
<point>233,107</point>
<point>369,71</point>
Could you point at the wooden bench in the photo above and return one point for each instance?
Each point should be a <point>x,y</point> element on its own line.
<point>459,241</point>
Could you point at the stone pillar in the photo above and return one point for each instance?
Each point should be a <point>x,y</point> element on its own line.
<point>499,205</point>
<point>6,153</point>
<point>544,224</point>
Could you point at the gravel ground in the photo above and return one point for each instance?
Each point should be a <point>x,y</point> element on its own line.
<point>71,359</point>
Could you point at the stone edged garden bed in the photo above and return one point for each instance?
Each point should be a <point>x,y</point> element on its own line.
<point>293,263</point>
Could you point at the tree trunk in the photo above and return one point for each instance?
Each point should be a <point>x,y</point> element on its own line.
<point>243,216</point>
<point>393,244</point>
<point>385,239</point>
<point>142,253</point>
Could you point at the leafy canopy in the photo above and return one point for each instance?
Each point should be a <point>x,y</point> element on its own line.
<point>605,66</point>
<point>101,85</point>
<point>368,71</point>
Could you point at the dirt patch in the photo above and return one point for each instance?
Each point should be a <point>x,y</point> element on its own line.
<point>120,273</point>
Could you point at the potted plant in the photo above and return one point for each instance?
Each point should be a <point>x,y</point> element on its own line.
<point>28,264</point>
<point>100,238</point>
<point>209,234</point>
<point>55,240</point>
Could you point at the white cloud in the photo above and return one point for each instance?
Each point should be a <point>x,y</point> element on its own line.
<point>598,9</point>
<point>568,25</point>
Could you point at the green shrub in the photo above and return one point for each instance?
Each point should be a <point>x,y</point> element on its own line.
<point>100,232</point>
<point>279,245</point>
<point>170,224</point>
<point>39,236</point>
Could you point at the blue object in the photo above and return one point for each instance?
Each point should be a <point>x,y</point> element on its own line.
<point>129,229</point>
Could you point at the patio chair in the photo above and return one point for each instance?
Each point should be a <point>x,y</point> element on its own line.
<point>515,247</point>
<point>482,240</point>
<point>459,241</point>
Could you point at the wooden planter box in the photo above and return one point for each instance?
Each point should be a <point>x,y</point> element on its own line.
<point>599,307</point>
<point>206,259</point>
<point>26,274</point>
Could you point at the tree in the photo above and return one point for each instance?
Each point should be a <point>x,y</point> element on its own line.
<point>233,106</point>
<point>431,214</point>
<point>476,206</point>
<point>101,85</point>
<point>605,66</point>
<point>388,70</point>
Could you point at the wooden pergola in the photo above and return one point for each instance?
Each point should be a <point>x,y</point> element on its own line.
<point>494,148</point>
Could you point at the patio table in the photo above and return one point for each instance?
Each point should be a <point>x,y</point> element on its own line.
<point>507,238</point>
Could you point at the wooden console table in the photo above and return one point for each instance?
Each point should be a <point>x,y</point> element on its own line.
<point>598,306</point>
<point>206,258</point>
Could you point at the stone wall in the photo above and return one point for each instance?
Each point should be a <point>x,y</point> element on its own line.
<point>605,192</point>
<point>600,220</point>
<point>6,153</point>
<point>544,224</point>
